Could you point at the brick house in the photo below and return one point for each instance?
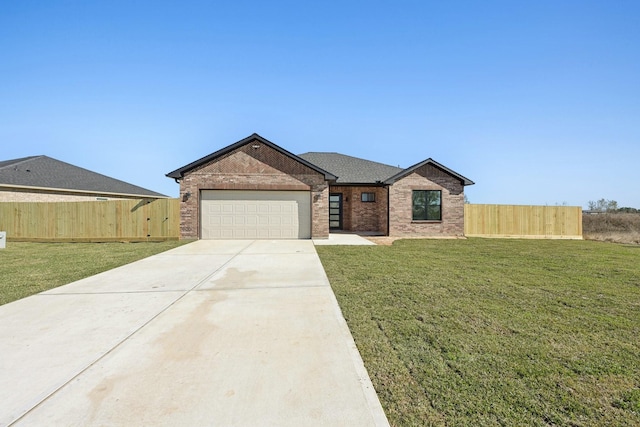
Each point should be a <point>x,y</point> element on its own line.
<point>256,189</point>
<point>44,179</point>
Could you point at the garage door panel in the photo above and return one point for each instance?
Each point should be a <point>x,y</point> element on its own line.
<point>231,214</point>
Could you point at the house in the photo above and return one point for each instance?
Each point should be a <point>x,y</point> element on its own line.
<point>256,189</point>
<point>44,179</point>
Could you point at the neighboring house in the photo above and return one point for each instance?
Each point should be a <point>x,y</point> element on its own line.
<point>256,189</point>
<point>43,179</point>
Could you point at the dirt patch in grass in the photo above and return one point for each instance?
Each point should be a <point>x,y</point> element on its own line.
<point>382,240</point>
<point>632,238</point>
<point>495,332</point>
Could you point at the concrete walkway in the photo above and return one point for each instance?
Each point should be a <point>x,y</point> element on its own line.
<point>214,333</point>
<point>346,239</point>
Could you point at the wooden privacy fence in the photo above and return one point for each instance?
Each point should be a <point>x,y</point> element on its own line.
<point>159,219</point>
<point>99,221</point>
<point>535,222</point>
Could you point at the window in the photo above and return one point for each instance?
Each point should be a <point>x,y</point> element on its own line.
<point>368,197</point>
<point>427,205</point>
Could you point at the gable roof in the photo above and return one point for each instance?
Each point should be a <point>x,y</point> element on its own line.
<point>44,172</point>
<point>179,173</point>
<point>351,170</point>
<point>429,161</point>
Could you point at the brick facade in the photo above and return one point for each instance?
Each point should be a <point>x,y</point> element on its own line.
<point>259,165</point>
<point>253,166</point>
<point>363,216</point>
<point>427,177</point>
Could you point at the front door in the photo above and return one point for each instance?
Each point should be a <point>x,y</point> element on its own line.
<point>335,211</point>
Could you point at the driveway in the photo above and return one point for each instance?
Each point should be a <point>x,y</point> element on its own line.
<point>211,333</point>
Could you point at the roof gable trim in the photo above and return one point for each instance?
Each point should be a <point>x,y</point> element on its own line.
<point>430,161</point>
<point>179,173</point>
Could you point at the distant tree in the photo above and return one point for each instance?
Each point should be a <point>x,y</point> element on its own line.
<point>603,205</point>
<point>628,210</point>
<point>466,200</point>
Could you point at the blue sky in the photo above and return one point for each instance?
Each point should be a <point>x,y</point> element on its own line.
<point>537,102</point>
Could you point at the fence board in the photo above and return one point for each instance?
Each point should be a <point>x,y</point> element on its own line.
<point>546,222</point>
<point>146,219</point>
<point>112,220</point>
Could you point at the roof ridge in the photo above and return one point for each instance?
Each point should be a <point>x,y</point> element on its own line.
<point>352,157</point>
<point>18,161</point>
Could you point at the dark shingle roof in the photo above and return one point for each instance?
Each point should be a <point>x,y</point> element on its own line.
<point>351,170</point>
<point>45,172</point>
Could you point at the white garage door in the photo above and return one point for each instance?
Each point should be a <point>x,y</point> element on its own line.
<point>232,214</point>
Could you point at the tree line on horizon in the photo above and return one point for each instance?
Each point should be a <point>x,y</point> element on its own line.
<point>609,206</point>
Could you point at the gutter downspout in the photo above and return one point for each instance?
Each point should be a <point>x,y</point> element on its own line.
<point>388,212</point>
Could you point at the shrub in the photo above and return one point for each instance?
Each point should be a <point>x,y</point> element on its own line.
<point>612,227</point>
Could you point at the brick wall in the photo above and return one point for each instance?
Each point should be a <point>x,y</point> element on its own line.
<point>427,177</point>
<point>249,168</point>
<point>363,216</point>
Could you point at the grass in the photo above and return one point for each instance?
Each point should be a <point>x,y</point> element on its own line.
<point>29,268</point>
<point>496,332</point>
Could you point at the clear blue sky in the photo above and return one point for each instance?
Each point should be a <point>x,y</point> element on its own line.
<point>538,102</point>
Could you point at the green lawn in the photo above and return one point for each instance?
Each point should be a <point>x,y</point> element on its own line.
<point>29,268</point>
<point>496,332</point>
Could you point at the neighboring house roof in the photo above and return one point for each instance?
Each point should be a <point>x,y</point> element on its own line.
<point>44,172</point>
<point>179,173</point>
<point>352,170</point>
<point>429,161</point>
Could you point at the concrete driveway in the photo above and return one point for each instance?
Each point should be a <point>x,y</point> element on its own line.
<point>213,333</point>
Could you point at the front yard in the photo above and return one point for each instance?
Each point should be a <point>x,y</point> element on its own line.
<point>496,332</point>
<point>453,332</point>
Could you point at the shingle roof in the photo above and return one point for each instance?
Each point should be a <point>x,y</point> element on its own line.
<point>338,168</point>
<point>351,170</point>
<point>46,172</point>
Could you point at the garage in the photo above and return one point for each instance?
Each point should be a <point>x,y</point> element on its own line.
<point>245,214</point>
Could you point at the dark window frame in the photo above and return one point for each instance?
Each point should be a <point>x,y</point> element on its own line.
<point>426,205</point>
<point>366,195</point>
<point>336,213</point>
